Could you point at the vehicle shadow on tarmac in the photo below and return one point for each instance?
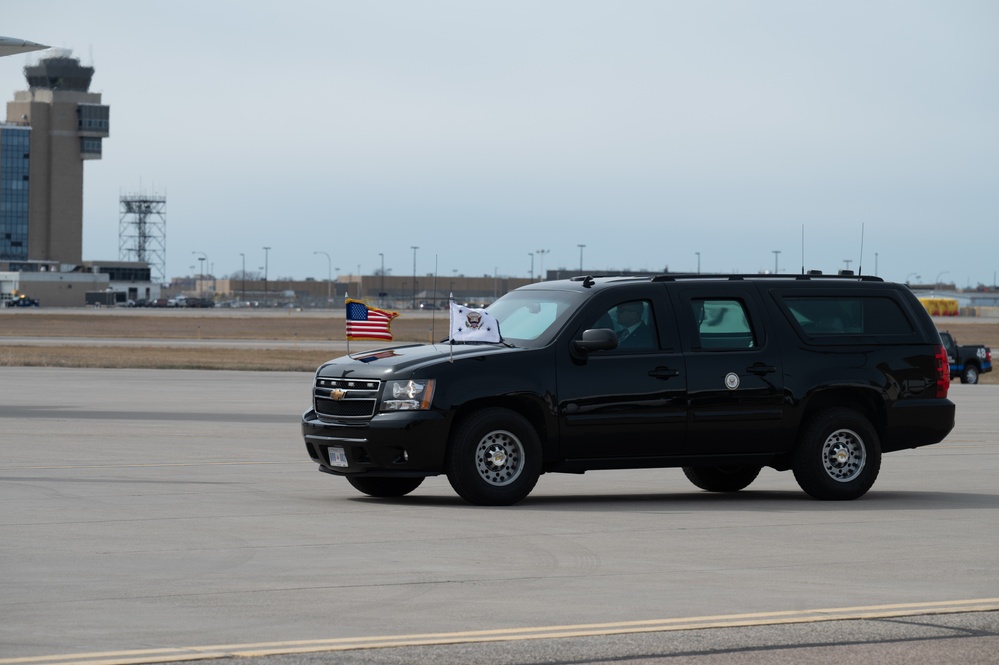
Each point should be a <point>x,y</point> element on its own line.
<point>744,500</point>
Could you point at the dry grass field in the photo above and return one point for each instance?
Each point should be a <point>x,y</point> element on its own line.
<point>106,330</point>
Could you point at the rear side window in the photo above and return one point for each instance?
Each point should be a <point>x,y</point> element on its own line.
<point>852,315</point>
<point>722,324</point>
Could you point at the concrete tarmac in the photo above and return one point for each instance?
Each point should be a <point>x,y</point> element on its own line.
<point>150,516</point>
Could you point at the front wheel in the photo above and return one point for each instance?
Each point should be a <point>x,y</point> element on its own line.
<point>970,374</point>
<point>722,478</point>
<point>494,458</point>
<point>838,455</point>
<point>384,487</point>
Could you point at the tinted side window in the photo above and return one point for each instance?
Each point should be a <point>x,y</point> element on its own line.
<point>853,315</point>
<point>634,324</point>
<point>722,324</point>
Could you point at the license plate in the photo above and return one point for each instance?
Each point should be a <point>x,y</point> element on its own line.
<point>337,457</point>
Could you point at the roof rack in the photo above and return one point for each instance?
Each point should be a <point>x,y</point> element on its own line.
<point>847,275</point>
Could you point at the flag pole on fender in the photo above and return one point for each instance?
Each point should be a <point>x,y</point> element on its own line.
<point>363,322</point>
<point>450,326</point>
<point>471,325</point>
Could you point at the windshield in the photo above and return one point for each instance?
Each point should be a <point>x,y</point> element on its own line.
<point>532,317</point>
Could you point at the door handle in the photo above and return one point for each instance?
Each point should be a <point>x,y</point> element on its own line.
<point>664,373</point>
<point>760,369</point>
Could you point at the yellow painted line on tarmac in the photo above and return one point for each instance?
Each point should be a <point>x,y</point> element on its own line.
<point>139,466</point>
<point>166,655</point>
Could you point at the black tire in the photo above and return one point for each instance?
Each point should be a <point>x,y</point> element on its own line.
<point>384,487</point>
<point>494,458</point>
<point>838,455</point>
<point>722,478</point>
<point>970,374</point>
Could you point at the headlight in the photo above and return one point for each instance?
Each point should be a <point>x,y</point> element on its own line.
<point>408,395</point>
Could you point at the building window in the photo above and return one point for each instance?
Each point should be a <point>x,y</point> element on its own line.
<point>90,145</point>
<point>126,274</point>
<point>93,117</point>
<point>14,188</point>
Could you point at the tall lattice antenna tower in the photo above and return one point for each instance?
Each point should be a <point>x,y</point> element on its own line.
<point>142,232</point>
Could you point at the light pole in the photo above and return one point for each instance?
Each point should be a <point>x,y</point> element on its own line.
<point>776,254</point>
<point>698,262</point>
<point>875,264</point>
<point>847,262</point>
<point>201,271</point>
<point>581,258</point>
<point>936,282</point>
<point>266,254</point>
<point>531,254</point>
<point>329,279</point>
<point>541,267</point>
<point>414,248</point>
<point>381,293</point>
<point>912,274</point>
<point>243,256</point>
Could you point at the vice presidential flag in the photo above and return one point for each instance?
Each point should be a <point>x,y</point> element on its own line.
<point>365,322</point>
<point>473,325</point>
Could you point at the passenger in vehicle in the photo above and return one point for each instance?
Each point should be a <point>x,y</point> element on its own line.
<point>633,332</point>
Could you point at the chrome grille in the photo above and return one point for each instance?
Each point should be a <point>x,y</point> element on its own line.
<point>345,398</point>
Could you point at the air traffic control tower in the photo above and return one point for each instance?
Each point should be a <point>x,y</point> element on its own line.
<point>61,124</point>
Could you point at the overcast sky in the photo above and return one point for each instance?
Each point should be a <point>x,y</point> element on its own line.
<point>648,131</point>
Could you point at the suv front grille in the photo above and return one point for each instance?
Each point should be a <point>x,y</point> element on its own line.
<point>345,398</point>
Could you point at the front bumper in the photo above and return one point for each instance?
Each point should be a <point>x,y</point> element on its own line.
<point>411,443</point>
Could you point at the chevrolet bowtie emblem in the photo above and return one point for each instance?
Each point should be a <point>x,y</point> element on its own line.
<point>337,394</point>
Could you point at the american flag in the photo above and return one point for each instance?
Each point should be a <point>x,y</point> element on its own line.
<point>365,322</point>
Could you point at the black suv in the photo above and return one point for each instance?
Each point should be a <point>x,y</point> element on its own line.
<point>720,375</point>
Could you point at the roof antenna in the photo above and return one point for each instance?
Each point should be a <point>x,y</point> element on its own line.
<point>802,249</point>
<point>433,312</point>
<point>860,263</point>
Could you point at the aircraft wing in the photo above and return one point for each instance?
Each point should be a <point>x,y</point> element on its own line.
<point>13,46</point>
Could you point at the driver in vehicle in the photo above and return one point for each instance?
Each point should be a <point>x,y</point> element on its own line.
<point>633,332</point>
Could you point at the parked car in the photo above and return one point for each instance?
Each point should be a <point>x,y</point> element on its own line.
<point>198,302</point>
<point>23,301</point>
<point>720,375</point>
<point>967,361</point>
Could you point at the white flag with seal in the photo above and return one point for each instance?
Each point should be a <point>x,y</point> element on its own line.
<point>469,324</point>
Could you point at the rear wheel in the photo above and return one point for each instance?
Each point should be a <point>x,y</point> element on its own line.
<point>722,478</point>
<point>970,374</point>
<point>838,455</point>
<point>384,487</point>
<point>494,458</point>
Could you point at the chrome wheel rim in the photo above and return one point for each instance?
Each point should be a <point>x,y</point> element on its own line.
<point>499,458</point>
<point>844,455</point>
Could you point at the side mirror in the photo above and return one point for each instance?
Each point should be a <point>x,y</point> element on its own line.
<point>597,339</point>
